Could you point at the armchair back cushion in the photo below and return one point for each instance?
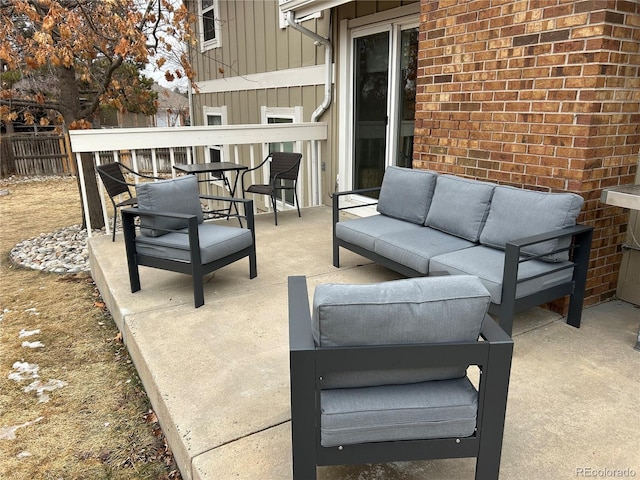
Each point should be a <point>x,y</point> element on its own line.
<point>406,194</point>
<point>516,213</point>
<point>460,206</point>
<point>407,311</point>
<point>177,195</point>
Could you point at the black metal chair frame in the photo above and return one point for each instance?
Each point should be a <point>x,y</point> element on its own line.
<point>112,177</point>
<point>276,177</point>
<point>194,267</point>
<point>579,252</point>
<point>308,364</point>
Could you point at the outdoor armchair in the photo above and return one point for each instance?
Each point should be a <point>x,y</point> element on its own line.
<point>172,234</point>
<point>379,374</point>
<point>113,179</point>
<point>283,176</point>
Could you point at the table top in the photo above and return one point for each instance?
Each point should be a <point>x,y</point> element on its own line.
<point>210,167</point>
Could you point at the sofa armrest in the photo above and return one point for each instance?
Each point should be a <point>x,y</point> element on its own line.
<point>579,250</point>
<point>543,237</point>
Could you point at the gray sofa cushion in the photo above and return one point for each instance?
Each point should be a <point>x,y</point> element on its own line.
<point>216,242</point>
<point>415,310</point>
<point>488,264</point>
<point>363,231</point>
<point>176,195</point>
<point>414,248</point>
<point>517,213</point>
<point>460,206</point>
<point>406,193</point>
<point>443,409</point>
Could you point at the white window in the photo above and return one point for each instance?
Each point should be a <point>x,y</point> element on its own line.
<point>272,115</point>
<point>216,153</point>
<point>209,22</point>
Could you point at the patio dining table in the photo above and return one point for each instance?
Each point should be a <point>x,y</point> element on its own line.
<point>216,171</point>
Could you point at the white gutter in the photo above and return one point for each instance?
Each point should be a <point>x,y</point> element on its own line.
<point>328,61</point>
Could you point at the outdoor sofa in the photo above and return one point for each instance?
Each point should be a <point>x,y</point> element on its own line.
<point>524,245</point>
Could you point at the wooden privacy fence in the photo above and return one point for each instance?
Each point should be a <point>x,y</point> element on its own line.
<point>36,154</point>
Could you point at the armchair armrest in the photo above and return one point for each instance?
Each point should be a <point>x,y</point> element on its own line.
<point>249,215</point>
<point>251,170</point>
<point>300,336</point>
<point>138,174</point>
<point>128,227</point>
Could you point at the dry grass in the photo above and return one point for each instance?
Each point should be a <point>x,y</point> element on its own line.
<point>98,426</point>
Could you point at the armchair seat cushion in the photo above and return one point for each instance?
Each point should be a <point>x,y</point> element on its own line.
<point>438,409</point>
<point>216,242</point>
<point>488,264</point>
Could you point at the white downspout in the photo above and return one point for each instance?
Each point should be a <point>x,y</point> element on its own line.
<point>316,175</point>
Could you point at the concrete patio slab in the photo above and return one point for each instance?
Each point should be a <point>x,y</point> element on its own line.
<point>217,376</point>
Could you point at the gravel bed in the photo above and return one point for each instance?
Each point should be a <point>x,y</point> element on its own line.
<point>62,251</point>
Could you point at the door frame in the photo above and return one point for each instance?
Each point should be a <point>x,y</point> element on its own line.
<point>393,21</point>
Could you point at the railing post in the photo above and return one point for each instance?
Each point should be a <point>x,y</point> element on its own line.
<point>83,193</point>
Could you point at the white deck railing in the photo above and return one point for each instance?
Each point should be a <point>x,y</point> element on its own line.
<point>159,149</point>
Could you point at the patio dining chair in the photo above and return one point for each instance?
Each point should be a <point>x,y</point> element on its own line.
<point>283,176</point>
<point>171,233</point>
<point>379,374</point>
<point>113,179</point>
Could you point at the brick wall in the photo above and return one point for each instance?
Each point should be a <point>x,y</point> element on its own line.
<point>540,94</point>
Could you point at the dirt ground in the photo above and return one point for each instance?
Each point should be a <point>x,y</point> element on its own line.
<point>71,403</point>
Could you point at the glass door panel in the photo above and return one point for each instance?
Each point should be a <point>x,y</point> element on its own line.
<point>407,96</point>
<point>371,80</point>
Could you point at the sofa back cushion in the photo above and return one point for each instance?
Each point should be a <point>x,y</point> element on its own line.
<point>177,195</point>
<point>407,311</point>
<point>406,193</point>
<point>517,213</point>
<point>460,206</point>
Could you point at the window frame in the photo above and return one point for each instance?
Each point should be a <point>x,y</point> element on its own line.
<point>213,42</point>
<point>295,114</point>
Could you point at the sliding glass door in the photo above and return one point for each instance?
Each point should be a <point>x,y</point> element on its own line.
<point>383,101</point>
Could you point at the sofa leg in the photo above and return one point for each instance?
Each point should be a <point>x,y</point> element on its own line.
<point>574,315</point>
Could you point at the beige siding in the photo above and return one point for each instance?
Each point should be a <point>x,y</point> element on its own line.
<point>253,43</point>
